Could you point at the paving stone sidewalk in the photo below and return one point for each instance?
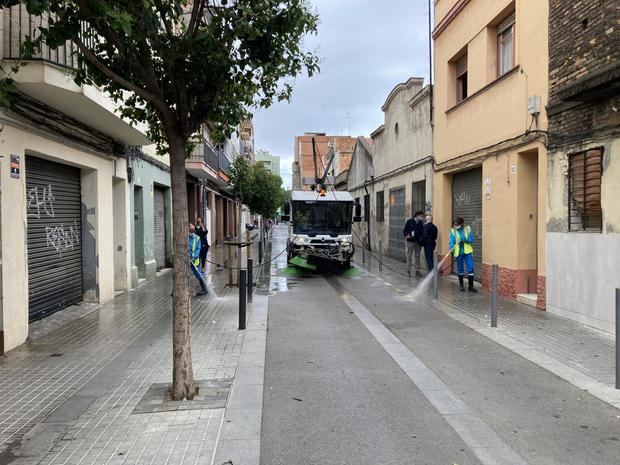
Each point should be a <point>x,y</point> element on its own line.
<point>564,346</point>
<point>74,392</point>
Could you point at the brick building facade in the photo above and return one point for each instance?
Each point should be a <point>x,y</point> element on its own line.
<point>303,163</point>
<point>583,218</point>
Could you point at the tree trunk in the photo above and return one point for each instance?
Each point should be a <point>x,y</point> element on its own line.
<point>183,386</point>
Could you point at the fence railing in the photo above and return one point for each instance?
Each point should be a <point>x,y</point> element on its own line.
<point>215,158</point>
<point>19,24</point>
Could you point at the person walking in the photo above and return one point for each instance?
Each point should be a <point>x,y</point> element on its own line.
<point>429,241</point>
<point>202,232</point>
<point>461,239</point>
<point>414,227</point>
<point>194,258</point>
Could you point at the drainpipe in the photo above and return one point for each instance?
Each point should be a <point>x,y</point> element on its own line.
<point>372,180</point>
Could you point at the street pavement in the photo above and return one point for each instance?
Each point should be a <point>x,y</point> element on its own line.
<point>338,369</point>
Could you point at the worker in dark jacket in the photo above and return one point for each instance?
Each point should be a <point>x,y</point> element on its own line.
<point>429,241</point>
<point>202,232</point>
<point>414,227</point>
<point>194,258</point>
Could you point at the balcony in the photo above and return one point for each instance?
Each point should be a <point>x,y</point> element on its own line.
<point>205,162</point>
<point>47,78</point>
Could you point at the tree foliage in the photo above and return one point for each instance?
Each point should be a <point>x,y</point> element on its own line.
<point>184,62</point>
<point>257,187</point>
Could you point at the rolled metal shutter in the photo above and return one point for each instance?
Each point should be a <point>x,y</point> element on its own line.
<point>159,206</point>
<point>54,242</point>
<point>467,202</point>
<point>397,246</point>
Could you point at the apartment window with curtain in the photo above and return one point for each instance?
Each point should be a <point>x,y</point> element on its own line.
<point>506,45</point>
<point>585,171</point>
<point>461,78</point>
<point>379,206</point>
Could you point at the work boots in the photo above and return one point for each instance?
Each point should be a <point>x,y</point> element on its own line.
<point>461,285</point>
<point>471,284</point>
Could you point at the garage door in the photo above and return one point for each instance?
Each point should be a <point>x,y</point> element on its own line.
<point>54,243</point>
<point>396,248</point>
<point>467,202</point>
<point>160,228</point>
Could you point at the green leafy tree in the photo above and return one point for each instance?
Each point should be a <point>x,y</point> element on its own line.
<point>178,65</point>
<point>259,189</point>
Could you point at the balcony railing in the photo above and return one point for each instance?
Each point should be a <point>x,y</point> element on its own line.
<point>224,162</point>
<point>214,158</point>
<point>18,24</point>
<point>205,153</point>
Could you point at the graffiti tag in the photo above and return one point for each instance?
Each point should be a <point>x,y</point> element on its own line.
<point>62,237</point>
<point>476,228</point>
<point>40,201</point>
<point>462,199</point>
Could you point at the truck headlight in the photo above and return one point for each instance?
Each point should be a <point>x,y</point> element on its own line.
<point>345,246</point>
<point>301,240</point>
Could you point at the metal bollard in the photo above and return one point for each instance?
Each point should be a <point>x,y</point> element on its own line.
<point>250,279</point>
<point>494,279</point>
<point>617,338</point>
<point>242,298</point>
<point>435,275</point>
<point>380,256</point>
<point>260,251</point>
<point>363,254</point>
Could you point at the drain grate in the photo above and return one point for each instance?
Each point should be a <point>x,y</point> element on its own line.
<point>212,394</point>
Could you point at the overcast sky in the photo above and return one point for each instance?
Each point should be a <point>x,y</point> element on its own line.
<point>366,48</point>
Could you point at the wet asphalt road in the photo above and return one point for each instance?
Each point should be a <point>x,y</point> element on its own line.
<point>333,395</point>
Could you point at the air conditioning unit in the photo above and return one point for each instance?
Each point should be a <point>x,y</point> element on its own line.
<point>533,105</point>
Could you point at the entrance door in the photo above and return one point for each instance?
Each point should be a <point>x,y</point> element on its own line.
<point>159,214</point>
<point>396,248</point>
<point>54,244</point>
<point>467,203</point>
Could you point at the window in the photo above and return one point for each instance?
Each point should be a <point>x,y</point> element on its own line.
<point>585,170</point>
<point>418,196</point>
<point>506,45</point>
<point>461,78</point>
<point>367,207</point>
<point>380,204</point>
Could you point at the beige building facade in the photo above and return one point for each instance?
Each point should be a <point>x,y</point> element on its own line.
<point>392,172</point>
<point>65,204</point>
<point>491,89</point>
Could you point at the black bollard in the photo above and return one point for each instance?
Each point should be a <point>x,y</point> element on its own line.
<point>250,279</point>
<point>242,298</point>
<point>260,251</point>
<point>494,279</point>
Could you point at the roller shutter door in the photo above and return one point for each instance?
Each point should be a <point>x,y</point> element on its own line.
<point>467,202</point>
<point>160,228</point>
<point>396,248</point>
<point>54,242</point>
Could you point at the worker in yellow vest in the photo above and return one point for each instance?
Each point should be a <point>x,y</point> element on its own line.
<point>461,239</point>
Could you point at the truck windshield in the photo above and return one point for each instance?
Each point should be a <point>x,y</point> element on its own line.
<point>320,217</point>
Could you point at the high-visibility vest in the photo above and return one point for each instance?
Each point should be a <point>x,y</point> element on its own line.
<point>467,248</point>
<point>195,242</point>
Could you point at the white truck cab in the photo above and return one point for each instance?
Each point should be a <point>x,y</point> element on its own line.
<point>320,229</point>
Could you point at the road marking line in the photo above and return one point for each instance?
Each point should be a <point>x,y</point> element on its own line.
<point>479,437</point>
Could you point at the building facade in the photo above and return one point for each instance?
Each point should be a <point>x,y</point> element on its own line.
<point>392,173</point>
<point>65,204</point>
<point>583,225</point>
<point>151,218</point>
<point>304,171</point>
<point>270,162</point>
<point>491,89</point>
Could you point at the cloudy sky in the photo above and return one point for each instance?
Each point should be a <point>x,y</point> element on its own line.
<point>366,48</point>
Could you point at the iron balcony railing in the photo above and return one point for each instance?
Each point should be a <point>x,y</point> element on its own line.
<point>224,162</point>
<point>205,153</point>
<point>215,158</point>
<point>19,24</point>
